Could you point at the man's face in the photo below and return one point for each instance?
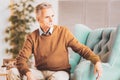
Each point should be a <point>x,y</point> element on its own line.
<point>45,17</point>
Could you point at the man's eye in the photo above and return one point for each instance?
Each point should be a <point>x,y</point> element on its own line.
<point>52,15</point>
<point>46,17</point>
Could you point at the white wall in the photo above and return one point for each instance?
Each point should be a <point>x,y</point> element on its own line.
<point>4,15</point>
<point>114,11</point>
<point>93,13</point>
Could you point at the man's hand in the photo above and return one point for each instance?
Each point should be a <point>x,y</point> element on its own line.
<point>30,76</point>
<point>98,69</point>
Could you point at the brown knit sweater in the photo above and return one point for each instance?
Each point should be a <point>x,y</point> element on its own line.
<point>51,51</point>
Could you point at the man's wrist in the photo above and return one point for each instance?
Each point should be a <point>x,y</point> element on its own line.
<point>28,73</point>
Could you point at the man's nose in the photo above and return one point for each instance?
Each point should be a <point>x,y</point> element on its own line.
<point>51,19</point>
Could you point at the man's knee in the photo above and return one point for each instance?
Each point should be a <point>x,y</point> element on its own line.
<point>59,75</point>
<point>14,74</point>
<point>15,71</point>
<point>37,74</point>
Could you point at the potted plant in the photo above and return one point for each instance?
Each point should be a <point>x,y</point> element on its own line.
<point>20,20</point>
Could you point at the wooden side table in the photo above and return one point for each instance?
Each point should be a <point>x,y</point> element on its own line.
<point>4,75</point>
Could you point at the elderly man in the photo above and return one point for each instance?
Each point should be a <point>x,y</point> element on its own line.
<point>49,44</point>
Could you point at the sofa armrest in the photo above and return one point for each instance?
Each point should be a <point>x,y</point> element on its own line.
<point>74,59</point>
<point>85,71</point>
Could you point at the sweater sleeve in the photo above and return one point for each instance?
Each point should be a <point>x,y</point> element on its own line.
<point>24,55</point>
<point>83,50</point>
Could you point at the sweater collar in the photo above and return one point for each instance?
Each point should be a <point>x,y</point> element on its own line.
<point>47,33</point>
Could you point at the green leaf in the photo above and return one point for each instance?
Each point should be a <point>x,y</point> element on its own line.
<point>20,21</point>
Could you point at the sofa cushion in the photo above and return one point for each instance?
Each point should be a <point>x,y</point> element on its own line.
<point>81,33</point>
<point>100,41</point>
<point>93,38</point>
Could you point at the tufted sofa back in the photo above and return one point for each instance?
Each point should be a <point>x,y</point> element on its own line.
<point>101,41</point>
<point>104,42</point>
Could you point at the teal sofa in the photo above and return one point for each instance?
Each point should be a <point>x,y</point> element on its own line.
<point>105,42</point>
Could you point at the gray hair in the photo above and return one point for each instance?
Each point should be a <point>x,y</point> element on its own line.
<point>41,6</point>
